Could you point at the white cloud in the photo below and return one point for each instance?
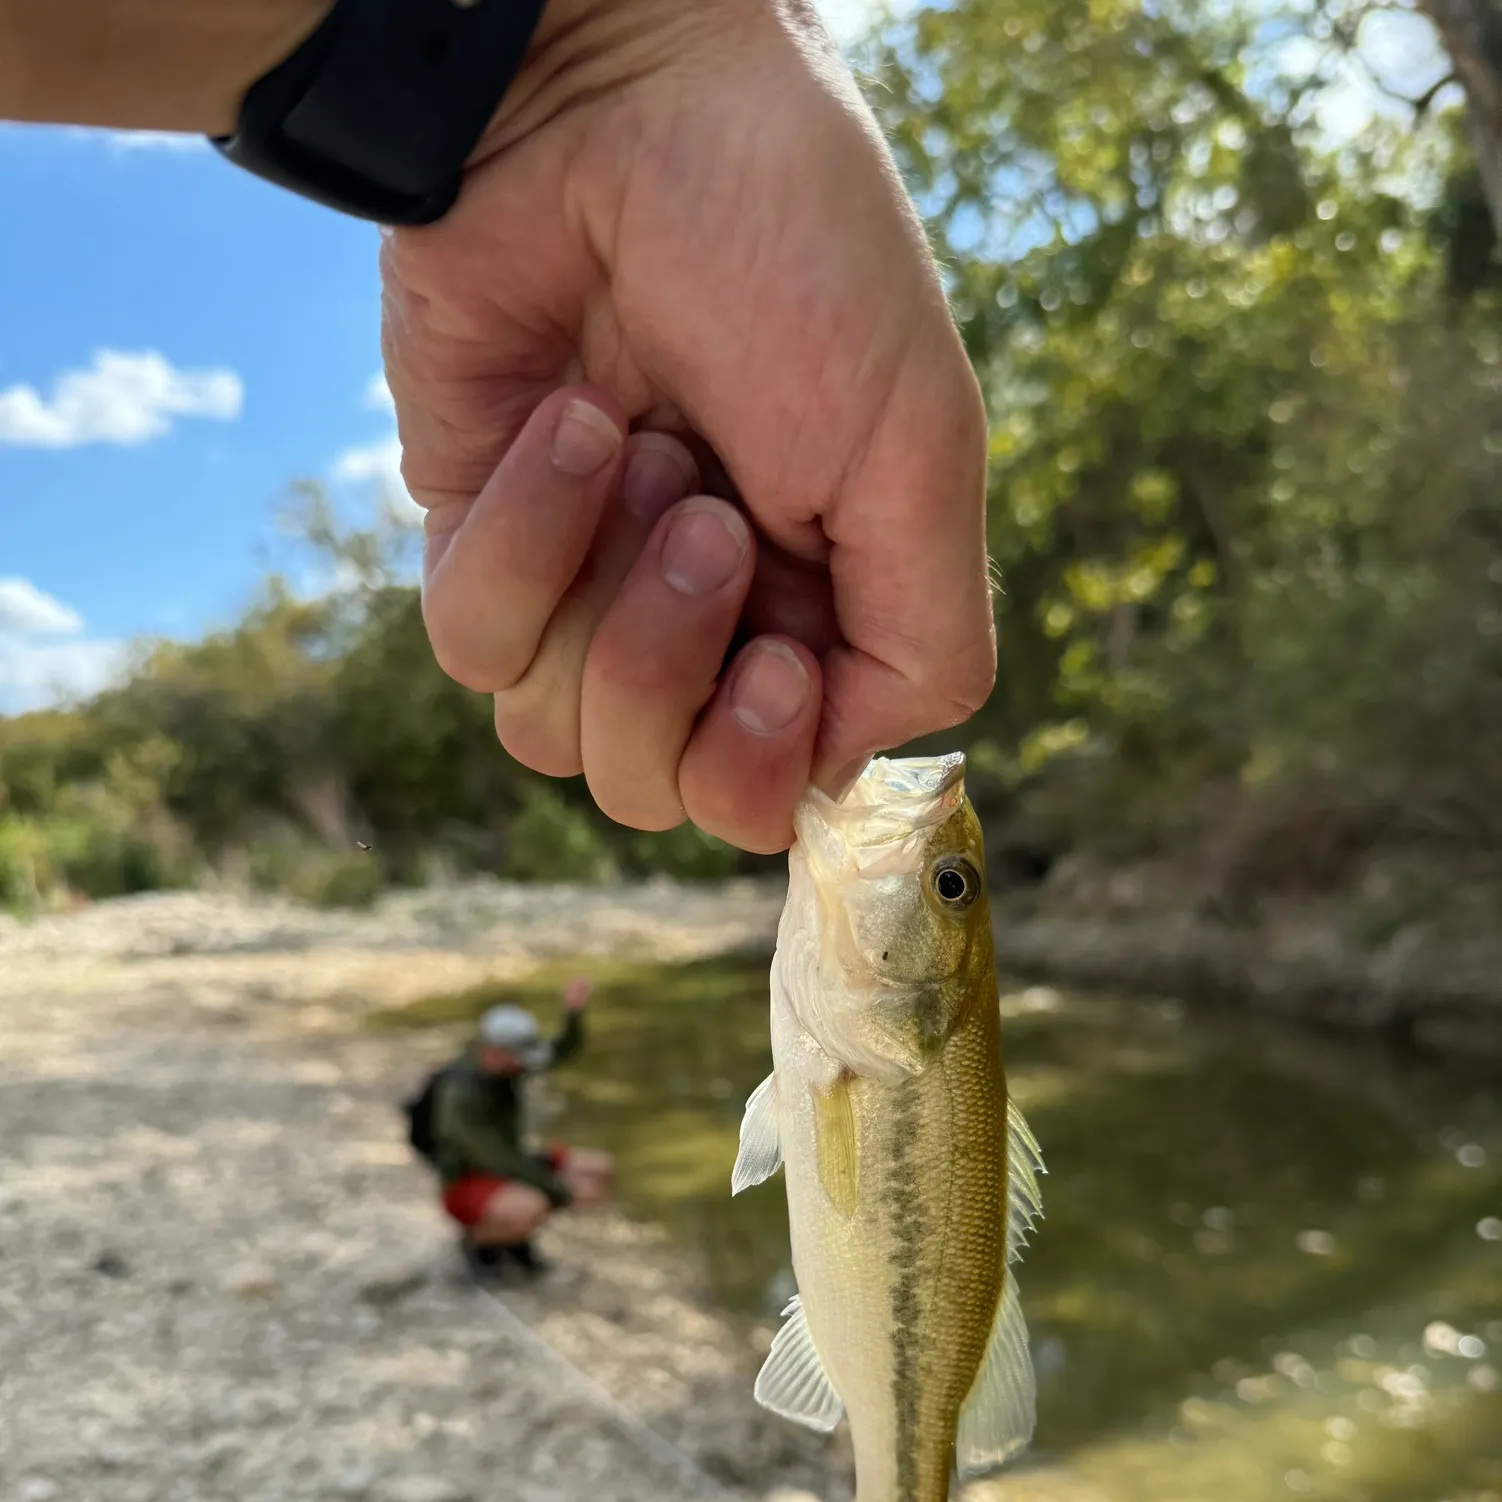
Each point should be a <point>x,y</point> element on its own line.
<point>372,461</point>
<point>118,141</point>
<point>378,393</point>
<point>26,610</point>
<point>37,675</point>
<point>122,398</point>
<point>154,140</point>
<point>382,460</point>
<point>378,464</point>
<point>36,667</point>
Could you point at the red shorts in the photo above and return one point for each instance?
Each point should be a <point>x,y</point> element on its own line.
<point>465,1199</point>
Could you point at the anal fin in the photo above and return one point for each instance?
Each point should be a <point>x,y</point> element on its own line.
<point>793,1382</point>
<point>1000,1412</point>
<point>760,1153</point>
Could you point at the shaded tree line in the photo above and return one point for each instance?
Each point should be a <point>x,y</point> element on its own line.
<point>1243,366</point>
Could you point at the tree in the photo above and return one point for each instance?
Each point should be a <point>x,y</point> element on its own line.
<point>1472,32</point>
<point>1245,456</point>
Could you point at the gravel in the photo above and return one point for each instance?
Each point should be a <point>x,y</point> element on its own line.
<point>222,1276</point>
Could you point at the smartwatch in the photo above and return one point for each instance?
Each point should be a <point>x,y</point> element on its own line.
<point>377,112</point>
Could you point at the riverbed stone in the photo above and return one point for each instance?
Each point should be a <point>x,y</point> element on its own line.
<point>419,1489</point>
<point>224,1274</point>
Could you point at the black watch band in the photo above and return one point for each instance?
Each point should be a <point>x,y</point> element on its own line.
<point>377,112</point>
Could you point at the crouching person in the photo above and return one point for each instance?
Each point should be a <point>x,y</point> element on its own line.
<point>470,1117</point>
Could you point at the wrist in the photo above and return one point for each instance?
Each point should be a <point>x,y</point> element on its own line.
<point>585,48</point>
<point>178,65</point>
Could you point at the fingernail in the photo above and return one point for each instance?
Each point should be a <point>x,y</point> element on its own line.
<point>585,440</point>
<point>770,688</point>
<point>658,475</point>
<point>839,783</point>
<point>704,547</point>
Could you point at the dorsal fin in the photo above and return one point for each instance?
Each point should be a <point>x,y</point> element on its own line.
<point>1024,1164</point>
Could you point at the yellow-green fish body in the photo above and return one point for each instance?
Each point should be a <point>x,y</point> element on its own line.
<point>910,1181</point>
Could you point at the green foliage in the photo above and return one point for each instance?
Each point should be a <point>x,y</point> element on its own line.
<point>271,751</point>
<point>684,852</point>
<point>553,839</point>
<point>1246,505</point>
<point>106,835</point>
<point>25,874</point>
<point>287,860</point>
<point>1247,464</point>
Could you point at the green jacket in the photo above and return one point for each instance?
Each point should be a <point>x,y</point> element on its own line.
<point>477,1122</point>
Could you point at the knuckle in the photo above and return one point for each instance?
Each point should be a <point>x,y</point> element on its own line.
<point>646,802</point>
<point>466,670</point>
<point>754,814</point>
<point>634,667</point>
<point>474,658</point>
<point>969,693</point>
<point>546,760</point>
<point>961,685</point>
<point>760,843</point>
<point>651,816</point>
<point>541,746</point>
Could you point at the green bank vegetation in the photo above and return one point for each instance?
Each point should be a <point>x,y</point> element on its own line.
<point>1244,374</point>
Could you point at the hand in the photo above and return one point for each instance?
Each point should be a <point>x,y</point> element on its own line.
<point>589,1176</point>
<point>576,994</point>
<point>684,227</point>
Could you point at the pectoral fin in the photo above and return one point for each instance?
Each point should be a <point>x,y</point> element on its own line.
<point>760,1155</point>
<point>1024,1164</point>
<point>834,1144</point>
<point>998,1417</point>
<point>793,1382</point>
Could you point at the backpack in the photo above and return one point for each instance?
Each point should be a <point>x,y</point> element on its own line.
<point>420,1115</point>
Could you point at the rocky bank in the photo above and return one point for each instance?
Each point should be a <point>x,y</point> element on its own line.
<point>221,1274</point>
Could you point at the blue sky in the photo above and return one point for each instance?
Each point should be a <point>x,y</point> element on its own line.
<point>178,342</point>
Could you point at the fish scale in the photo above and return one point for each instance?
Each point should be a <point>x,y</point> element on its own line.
<point>910,1179</point>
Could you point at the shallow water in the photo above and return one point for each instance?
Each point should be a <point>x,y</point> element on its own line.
<point>1271,1264</point>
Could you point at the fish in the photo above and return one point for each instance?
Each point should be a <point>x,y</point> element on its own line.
<point>911,1176</point>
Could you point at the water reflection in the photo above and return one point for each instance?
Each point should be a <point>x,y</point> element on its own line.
<point>1271,1264</point>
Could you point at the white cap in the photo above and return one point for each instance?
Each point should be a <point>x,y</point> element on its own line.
<point>508,1027</point>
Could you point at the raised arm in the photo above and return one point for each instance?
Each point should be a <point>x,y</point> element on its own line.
<point>143,64</point>
<point>702,457</point>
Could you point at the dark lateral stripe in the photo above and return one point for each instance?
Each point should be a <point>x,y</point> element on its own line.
<point>906,1242</point>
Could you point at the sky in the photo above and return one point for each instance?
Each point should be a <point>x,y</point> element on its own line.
<point>178,343</point>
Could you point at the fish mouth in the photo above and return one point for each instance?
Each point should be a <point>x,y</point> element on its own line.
<point>892,800</point>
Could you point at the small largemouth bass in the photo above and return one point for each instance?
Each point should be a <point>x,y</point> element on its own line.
<point>911,1180</point>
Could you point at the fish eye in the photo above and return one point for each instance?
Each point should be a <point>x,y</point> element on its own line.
<point>956,883</point>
